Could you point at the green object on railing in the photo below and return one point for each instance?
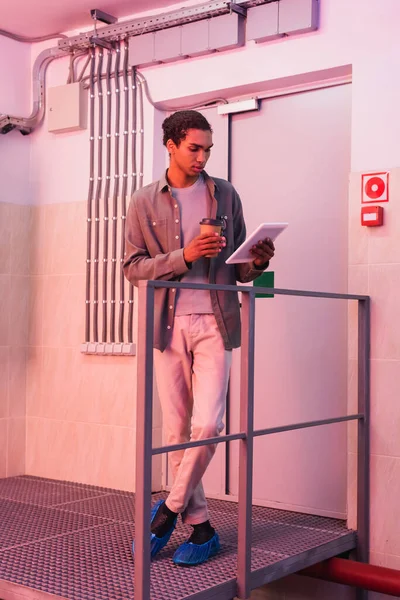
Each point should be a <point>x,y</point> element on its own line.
<point>265,280</point>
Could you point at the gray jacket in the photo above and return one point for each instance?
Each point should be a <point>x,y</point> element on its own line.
<point>154,251</point>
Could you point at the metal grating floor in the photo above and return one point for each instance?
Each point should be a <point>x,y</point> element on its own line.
<point>73,541</point>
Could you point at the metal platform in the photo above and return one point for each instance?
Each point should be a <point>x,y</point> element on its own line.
<point>73,541</point>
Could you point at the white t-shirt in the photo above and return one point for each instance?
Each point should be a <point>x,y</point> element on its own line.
<point>194,204</point>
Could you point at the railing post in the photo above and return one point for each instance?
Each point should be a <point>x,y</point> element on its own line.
<point>363,459</point>
<point>246,445</point>
<point>144,413</point>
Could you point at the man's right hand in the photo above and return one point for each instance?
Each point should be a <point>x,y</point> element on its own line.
<point>206,244</point>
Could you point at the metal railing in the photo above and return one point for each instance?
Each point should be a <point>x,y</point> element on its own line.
<point>145,452</point>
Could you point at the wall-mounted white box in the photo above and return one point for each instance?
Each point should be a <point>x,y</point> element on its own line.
<point>226,32</point>
<point>141,50</point>
<point>195,38</point>
<point>67,107</point>
<point>298,16</point>
<point>262,22</point>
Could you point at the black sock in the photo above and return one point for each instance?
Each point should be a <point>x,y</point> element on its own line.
<point>202,533</point>
<point>163,520</point>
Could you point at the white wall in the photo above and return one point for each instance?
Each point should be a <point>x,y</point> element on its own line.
<point>363,35</point>
<point>15,85</point>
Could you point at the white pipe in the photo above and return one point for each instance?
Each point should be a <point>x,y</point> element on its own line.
<point>28,124</point>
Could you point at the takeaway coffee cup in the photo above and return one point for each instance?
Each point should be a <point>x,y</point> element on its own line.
<point>211,226</point>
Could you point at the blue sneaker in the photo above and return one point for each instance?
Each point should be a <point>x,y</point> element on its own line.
<point>189,554</point>
<point>156,543</point>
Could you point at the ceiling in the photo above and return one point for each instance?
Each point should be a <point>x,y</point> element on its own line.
<point>43,17</point>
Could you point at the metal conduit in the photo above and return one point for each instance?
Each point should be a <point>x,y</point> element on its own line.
<point>123,194</point>
<point>134,128</point>
<point>97,201</point>
<point>83,71</point>
<point>107,194</point>
<point>141,132</point>
<point>90,195</point>
<point>112,160</point>
<point>74,56</point>
<point>133,187</point>
<point>115,194</point>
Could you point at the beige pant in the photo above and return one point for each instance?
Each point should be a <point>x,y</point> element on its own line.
<point>192,379</point>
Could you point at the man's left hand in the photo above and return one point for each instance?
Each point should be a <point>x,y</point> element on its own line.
<point>263,251</point>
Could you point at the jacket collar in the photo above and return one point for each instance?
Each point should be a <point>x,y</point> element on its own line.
<point>163,184</point>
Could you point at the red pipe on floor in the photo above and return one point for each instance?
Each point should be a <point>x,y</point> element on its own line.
<point>356,574</point>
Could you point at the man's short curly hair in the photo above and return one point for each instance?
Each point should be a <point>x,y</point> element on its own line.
<point>177,125</point>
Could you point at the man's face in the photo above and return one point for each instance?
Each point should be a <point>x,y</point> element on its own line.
<point>193,152</point>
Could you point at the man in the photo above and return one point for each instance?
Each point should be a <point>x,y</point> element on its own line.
<point>195,331</point>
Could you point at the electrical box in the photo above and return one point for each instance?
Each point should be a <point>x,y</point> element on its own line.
<point>226,32</point>
<point>262,22</point>
<point>168,44</point>
<point>298,16</point>
<point>195,38</point>
<point>67,108</point>
<point>142,50</point>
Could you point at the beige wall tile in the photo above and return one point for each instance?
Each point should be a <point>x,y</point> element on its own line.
<point>16,447</point>
<point>39,241</point>
<point>60,398</point>
<point>109,384</point>
<point>60,381</point>
<point>88,453</point>
<point>383,242</point>
<point>390,561</point>
<point>34,374</point>
<point>5,238</point>
<point>66,232</point>
<point>21,238</point>
<point>17,382</point>
<point>384,286</point>
<point>357,284</point>
<point>87,388</point>
<point>64,311</point>
<point>358,235</point>
<point>3,447</point>
<point>4,376</point>
<point>113,457</point>
<point>352,490</point>
<point>352,396</point>
<point>5,303</point>
<point>385,408</point>
<point>19,307</point>
<point>385,494</point>
<point>35,311</point>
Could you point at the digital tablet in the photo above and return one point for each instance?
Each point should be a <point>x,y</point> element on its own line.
<point>265,230</point>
